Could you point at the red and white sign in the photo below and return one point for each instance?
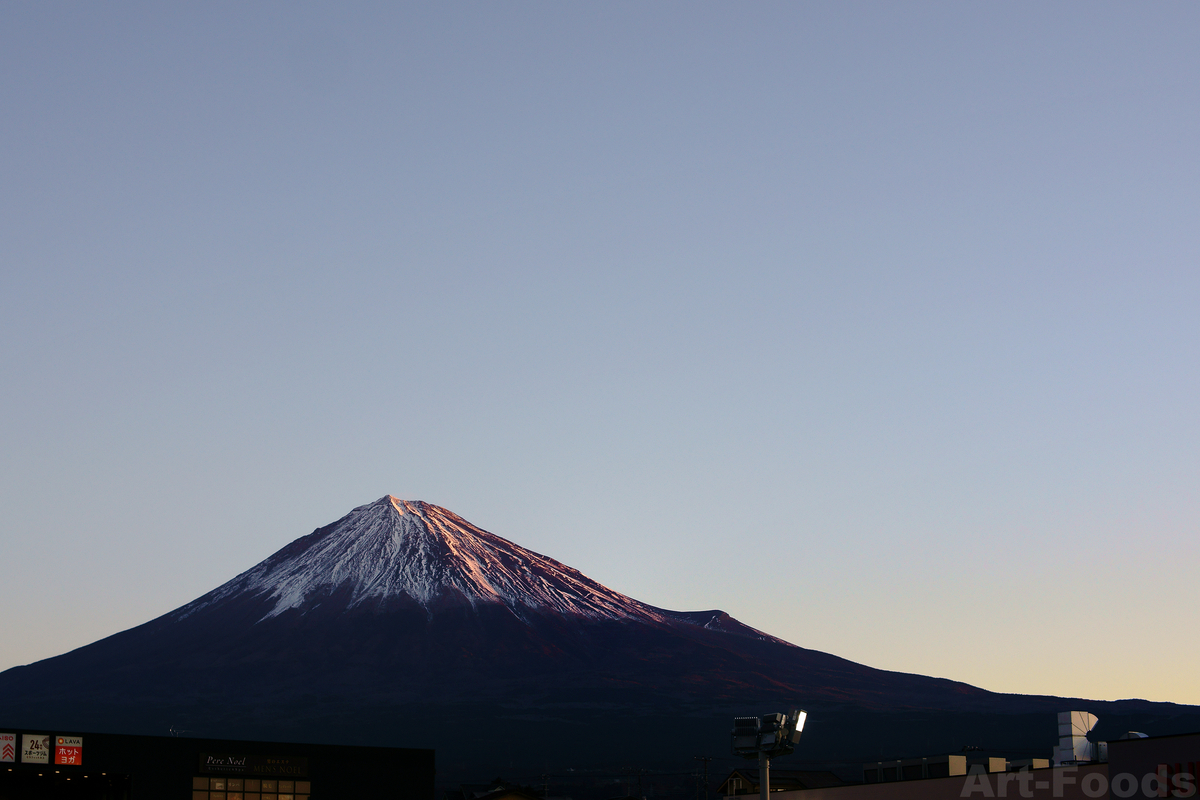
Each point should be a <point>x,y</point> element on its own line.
<point>35,748</point>
<point>68,750</point>
<point>8,747</point>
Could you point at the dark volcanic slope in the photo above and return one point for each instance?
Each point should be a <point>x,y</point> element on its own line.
<point>378,626</point>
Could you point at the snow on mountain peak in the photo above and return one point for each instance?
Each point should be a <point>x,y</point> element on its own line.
<point>395,548</point>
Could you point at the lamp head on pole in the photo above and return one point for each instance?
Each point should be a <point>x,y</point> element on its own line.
<point>771,735</point>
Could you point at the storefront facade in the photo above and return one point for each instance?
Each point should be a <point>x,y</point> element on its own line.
<point>70,765</point>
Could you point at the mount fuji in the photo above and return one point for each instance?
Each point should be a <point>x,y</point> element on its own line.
<point>394,554</point>
<point>403,624</point>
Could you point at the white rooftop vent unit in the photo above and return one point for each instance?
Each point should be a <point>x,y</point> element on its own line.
<point>1073,745</point>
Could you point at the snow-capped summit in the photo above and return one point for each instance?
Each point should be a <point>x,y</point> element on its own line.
<point>402,550</point>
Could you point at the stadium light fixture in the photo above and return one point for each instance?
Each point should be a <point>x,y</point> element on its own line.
<point>767,737</point>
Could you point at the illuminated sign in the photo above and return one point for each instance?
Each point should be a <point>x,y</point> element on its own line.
<point>35,748</point>
<point>8,747</point>
<point>253,765</point>
<point>68,750</point>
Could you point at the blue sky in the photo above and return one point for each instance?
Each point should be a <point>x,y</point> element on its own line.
<point>873,325</point>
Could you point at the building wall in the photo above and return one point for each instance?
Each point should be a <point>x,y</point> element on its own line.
<point>160,767</point>
<point>1161,766</point>
<point>1061,783</point>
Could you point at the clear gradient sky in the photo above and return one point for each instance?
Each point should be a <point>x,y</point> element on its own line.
<point>874,324</point>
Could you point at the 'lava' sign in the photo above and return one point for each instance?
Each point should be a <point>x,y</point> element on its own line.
<point>68,750</point>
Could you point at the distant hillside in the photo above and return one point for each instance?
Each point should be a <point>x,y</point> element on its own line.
<point>403,624</point>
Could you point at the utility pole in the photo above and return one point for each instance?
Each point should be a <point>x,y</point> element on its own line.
<point>764,776</point>
<point>705,759</point>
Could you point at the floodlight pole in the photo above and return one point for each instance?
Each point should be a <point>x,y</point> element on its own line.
<point>764,775</point>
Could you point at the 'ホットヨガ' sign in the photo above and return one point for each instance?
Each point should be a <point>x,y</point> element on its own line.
<point>68,750</point>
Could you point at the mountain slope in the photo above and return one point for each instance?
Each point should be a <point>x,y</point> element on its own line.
<point>407,589</point>
<point>393,622</point>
